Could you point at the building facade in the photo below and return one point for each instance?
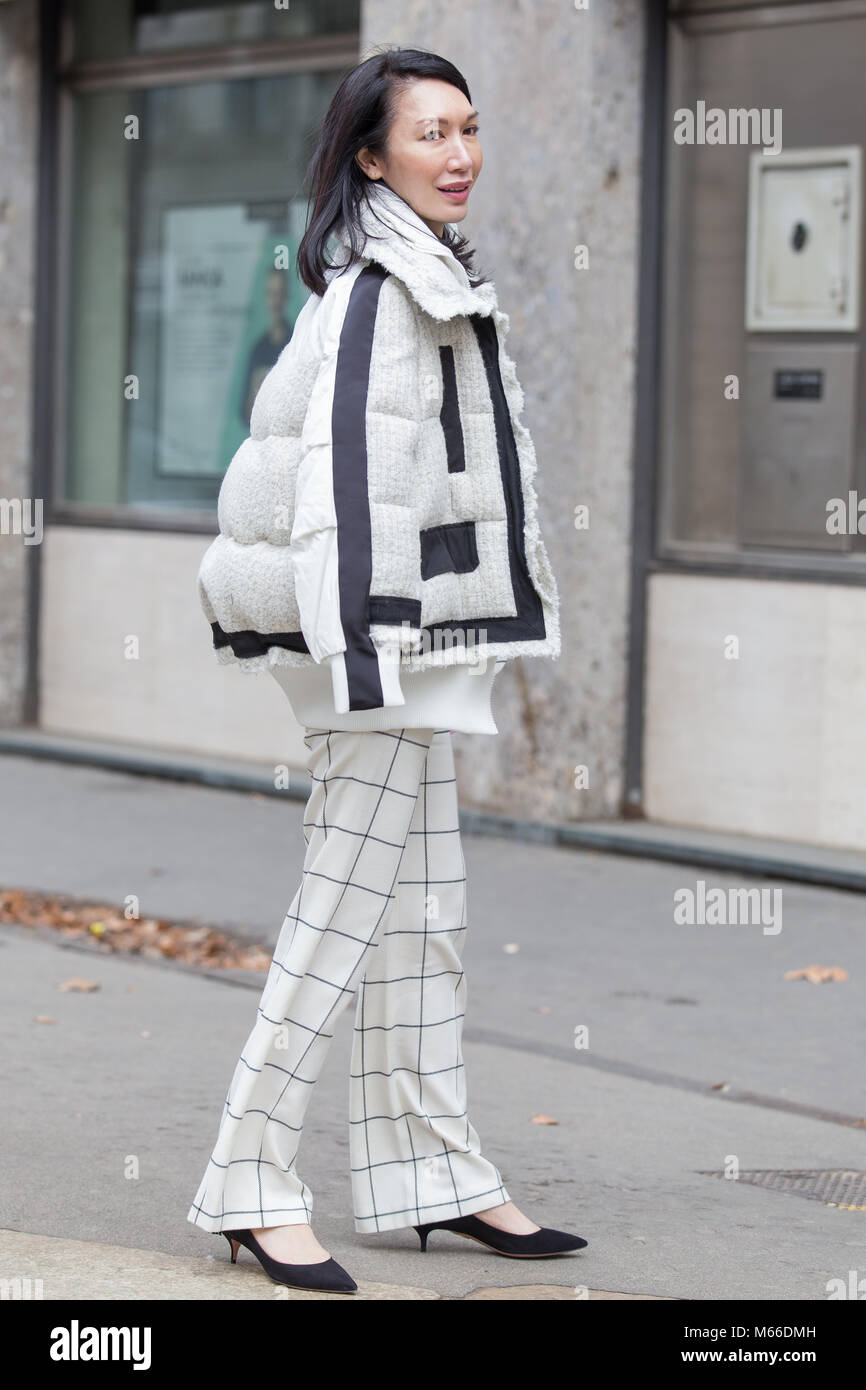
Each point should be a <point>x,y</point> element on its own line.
<point>684,288</point>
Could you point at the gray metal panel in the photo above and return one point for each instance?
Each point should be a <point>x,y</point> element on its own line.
<point>797,451</point>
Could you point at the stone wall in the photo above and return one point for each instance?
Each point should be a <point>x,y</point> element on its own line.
<point>559,92</point>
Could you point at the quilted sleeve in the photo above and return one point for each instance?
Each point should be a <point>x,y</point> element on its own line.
<point>331,537</point>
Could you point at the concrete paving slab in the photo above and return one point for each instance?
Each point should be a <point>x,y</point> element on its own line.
<point>36,1267</point>
<point>50,1269</point>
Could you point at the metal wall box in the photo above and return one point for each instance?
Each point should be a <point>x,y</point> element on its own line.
<point>803,241</point>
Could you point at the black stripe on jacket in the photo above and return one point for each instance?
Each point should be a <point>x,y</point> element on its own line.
<point>351,496</point>
<point>450,413</point>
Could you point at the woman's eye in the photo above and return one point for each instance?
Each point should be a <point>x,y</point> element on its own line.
<point>472,129</point>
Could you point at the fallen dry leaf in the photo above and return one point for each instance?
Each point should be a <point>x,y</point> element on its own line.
<point>77,983</point>
<point>817,974</point>
<point>44,1018</point>
<point>107,930</point>
<point>544,1120</point>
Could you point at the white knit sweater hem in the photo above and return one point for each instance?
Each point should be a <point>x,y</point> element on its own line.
<point>450,697</point>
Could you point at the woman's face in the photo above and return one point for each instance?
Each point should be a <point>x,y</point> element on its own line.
<point>432,145</point>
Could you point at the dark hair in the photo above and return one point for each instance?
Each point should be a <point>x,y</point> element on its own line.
<point>361,113</point>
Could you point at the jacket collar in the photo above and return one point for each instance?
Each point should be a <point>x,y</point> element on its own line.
<point>395,236</point>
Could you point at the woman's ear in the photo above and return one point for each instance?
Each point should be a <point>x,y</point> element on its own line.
<point>368,164</point>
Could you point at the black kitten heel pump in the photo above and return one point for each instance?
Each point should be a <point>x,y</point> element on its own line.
<point>533,1246</point>
<point>325,1277</point>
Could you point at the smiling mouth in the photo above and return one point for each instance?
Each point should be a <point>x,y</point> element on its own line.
<point>454,187</point>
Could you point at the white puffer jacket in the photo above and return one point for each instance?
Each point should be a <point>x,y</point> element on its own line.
<point>381,516</point>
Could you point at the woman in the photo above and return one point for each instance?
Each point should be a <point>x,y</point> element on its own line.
<point>379,553</point>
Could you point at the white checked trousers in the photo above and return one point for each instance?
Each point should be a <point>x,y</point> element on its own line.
<point>379,917</point>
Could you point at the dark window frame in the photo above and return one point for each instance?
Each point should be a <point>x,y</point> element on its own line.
<point>60,80</point>
<point>649,554</point>
<point>667,554</point>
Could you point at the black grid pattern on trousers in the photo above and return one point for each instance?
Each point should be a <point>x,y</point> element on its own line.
<point>414,1155</point>
<point>371,836</point>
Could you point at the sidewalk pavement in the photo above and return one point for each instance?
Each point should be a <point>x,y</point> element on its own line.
<point>111,1111</point>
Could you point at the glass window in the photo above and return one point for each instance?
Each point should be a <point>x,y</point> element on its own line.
<point>123,28</point>
<point>185,214</point>
<point>760,429</point>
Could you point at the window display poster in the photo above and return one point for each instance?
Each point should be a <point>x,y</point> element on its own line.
<point>229,297</point>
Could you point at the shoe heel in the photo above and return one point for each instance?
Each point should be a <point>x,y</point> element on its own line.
<point>423,1232</point>
<point>325,1277</point>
